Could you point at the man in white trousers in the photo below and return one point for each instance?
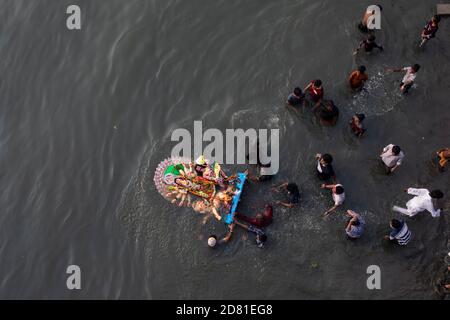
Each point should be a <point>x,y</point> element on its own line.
<point>423,200</point>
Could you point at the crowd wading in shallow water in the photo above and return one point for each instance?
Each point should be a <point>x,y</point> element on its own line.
<point>391,156</point>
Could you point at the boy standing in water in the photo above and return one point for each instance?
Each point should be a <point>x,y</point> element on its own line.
<point>409,78</point>
<point>315,90</point>
<point>430,29</point>
<point>338,195</point>
<point>369,44</point>
<point>296,99</point>
<point>358,78</point>
<point>356,124</point>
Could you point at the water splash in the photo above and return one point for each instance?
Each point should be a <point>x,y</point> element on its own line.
<point>379,96</point>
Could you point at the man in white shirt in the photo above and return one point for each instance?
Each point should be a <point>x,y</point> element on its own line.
<point>408,79</point>
<point>338,194</point>
<point>423,200</point>
<point>392,156</point>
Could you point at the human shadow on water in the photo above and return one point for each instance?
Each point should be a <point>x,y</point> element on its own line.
<point>378,170</point>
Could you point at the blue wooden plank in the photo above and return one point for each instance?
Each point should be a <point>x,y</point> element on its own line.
<point>239,186</point>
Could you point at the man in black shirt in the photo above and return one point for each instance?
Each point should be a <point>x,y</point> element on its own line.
<point>293,194</point>
<point>324,168</point>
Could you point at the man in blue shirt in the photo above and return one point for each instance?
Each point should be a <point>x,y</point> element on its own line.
<point>355,226</point>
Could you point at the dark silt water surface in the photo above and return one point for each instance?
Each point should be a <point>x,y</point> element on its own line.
<point>86,116</point>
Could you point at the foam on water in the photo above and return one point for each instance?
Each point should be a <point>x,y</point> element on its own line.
<point>379,96</point>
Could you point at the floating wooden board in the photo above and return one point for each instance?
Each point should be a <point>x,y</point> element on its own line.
<point>443,9</point>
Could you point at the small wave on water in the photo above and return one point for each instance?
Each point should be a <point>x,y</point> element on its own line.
<point>380,96</point>
<point>267,118</point>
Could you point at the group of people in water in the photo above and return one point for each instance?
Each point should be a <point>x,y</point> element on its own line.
<point>391,155</point>
<point>326,110</point>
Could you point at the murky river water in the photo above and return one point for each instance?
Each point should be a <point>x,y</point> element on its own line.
<point>86,116</point>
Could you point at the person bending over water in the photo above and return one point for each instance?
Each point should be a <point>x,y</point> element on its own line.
<point>315,90</point>
<point>392,157</point>
<point>327,112</point>
<point>213,241</point>
<point>409,78</point>
<point>368,44</point>
<point>358,78</point>
<point>261,220</point>
<point>355,226</point>
<point>430,29</point>
<point>338,195</point>
<point>356,124</point>
<point>324,168</point>
<point>293,194</point>
<point>423,200</point>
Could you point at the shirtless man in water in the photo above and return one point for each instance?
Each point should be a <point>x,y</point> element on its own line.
<point>261,220</point>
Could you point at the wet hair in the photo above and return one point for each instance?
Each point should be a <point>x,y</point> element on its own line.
<point>327,158</point>
<point>297,91</point>
<point>360,116</point>
<point>395,223</point>
<point>362,69</point>
<point>396,150</point>
<point>339,190</point>
<point>317,83</point>
<point>212,236</point>
<point>292,187</point>
<point>416,67</point>
<point>371,37</point>
<point>436,194</point>
<point>355,223</point>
